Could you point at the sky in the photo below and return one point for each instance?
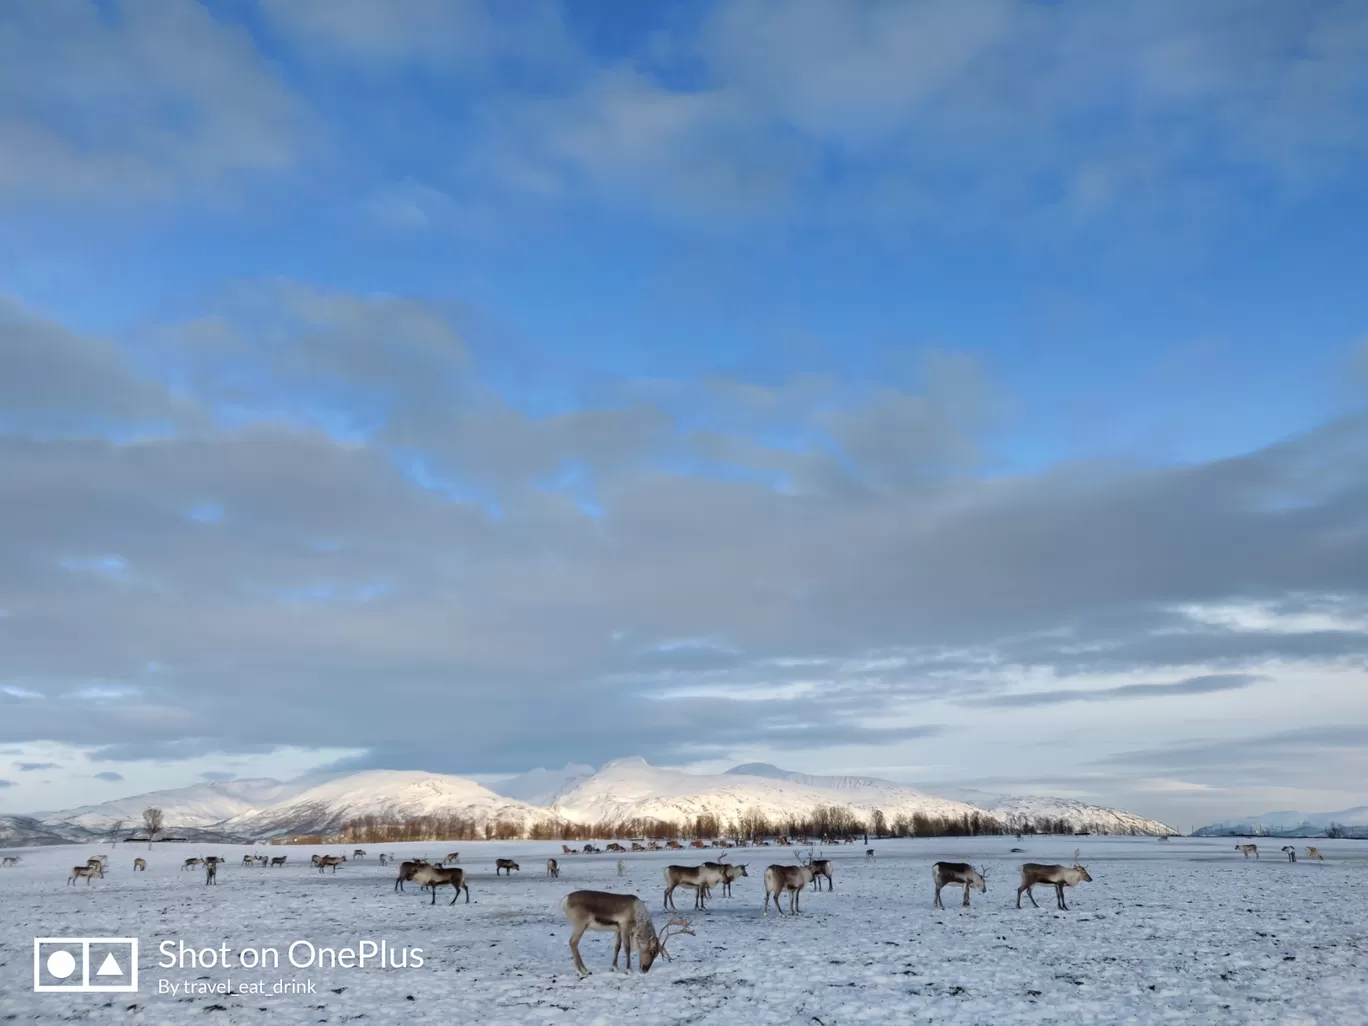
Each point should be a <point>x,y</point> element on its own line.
<point>971,394</point>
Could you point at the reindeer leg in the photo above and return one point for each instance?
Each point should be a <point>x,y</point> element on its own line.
<point>1059,893</point>
<point>466,888</point>
<point>617,946</point>
<point>937,902</point>
<point>966,895</point>
<point>574,949</point>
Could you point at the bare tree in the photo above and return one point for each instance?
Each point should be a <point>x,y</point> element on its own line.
<point>152,822</point>
<point>115,829</point>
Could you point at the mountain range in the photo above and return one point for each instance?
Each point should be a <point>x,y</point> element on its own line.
<point>1353,822</point>
<point>618,794</point>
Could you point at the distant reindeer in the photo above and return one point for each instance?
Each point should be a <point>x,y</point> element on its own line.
<point>1290,852</point>
<point>638,847</point>
<point>139,865</point>
<point>567,850</point>
<point>1248,850</point>
<point>440,876</point>
<point>383,858</point>
<point>211,872</point>
<point>332,861</point>
<point>453,856</point>
<point>622,867</point>
<point>869,854</point>
<point>86,871</point>
<point>792,879</point>
<point>673,845</point>
<point>191,863</point>
<point>1314,853</point>
<point>820,868</point>
<point>628,917</point>
<point>313,859</point>
<point>506,866</point>
<point>615,848</point>
<point>407,871</point>
<point>359,854</point>
<point>10,860</point>
<point>278,860</point>
<point>1033,873</point>
<point>248,860</point>
<point>1163,837</point>
<point>945,873</point>
<point>552,868</point>
<point>700,878</point>
<point>213,860</point>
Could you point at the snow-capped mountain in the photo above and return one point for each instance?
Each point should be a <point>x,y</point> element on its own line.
<point>541,786</point>
<point>25,832</point>
<point>1017,810</point>
<point>628,789</point>
<point>1355,821</point>
<point>765,769</point>
<point>199,805</point>
<point>388,796</point>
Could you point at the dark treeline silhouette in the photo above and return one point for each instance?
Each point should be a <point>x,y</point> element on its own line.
<point>823,821</point>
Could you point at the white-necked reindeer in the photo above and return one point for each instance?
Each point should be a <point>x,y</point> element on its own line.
<point>946,873</point>
<point>1290,852</point>
<point>628,917</point>
<point>1033,873</point>
<point>792,879</point>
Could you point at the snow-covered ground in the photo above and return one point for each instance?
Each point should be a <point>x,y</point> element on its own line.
<point>1183,931</point>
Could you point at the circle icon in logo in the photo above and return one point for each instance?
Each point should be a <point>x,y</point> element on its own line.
<point>61,964</point>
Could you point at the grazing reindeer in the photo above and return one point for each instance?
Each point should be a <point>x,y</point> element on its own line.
<point>507,865</point>
<point>454,856</point>
<point>615,848</point>
<point>1033,873</point>
<point>627,916</point>
<point>439,876</point>
<point>1248,850</point>
<point>359,854</point>
<point>407,871</point>
<point>191,863</point>
<point>638,847</point>
<point>1290,852</point>
<point>1314,853</point>
<point>140,865</point>
<point>567,850</point>
<point>779,879</point>
<point>700,878</point>
<point>86,871</point>
<point>552,869</point>
<point>673,845</point>
<point>313,859</point>
<point>944,873</point>
<point>331,860</point>
<point>10,860</point>
<point>278,860</point>
<point>249,860</point>
<point>869,854</point>
<point>211,872</point>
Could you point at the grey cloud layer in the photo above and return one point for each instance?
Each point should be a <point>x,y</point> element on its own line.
<point>330,600</point>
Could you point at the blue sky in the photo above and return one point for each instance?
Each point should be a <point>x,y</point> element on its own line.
<point>876,258</point>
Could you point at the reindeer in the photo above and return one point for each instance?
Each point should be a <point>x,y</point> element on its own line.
<point>943,873</point>
<point>278,860</point>
<point>86,871</point>
<point>214,860</point>
<point>779,879</point>
<point>638,847</point>
<point>140,865</point>
<point>359,854</point>
<point>249,860</point>
<point>700,878</point>
<point>10,860</point>
<point>653,846</point>
<point>1033,873</point>
<point>452,856</point>
<point>507,865</point>
<point>1290,852</point>
<point>439,876</point>
<point>731,873</point>
<point>616,848</point>
<point>1163,837</point>
<point>820,868</point>
<point>407,871</point>
<point>313,859</point>
<point>869,854</point>
<point>622,867</point>
<point>567,850</point>
<point>1248,850</point>
<point>1314,853</point>
<point>628,917</point>
<point>211,871</point>
<point>674,845</point>
<point>191,863</point>
<point>334,861</point>
<point>384,859</point>
<point>553,869</point>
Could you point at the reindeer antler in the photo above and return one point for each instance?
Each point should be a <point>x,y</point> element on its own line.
<point>681,926</point>
<point>1077,852</point>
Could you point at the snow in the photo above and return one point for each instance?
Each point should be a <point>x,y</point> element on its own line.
<point>199,805</point>
<point>1185,931</point>
<point>1290,822</point>
<point>541,786</point>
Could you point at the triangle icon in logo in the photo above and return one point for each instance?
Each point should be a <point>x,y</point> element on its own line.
<point>109,967</point>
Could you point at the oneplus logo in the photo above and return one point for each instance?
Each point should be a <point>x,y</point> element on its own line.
<point>85,965</point>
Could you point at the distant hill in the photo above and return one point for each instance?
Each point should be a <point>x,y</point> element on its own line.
<point>541,786</point>
<point>1293,824</point>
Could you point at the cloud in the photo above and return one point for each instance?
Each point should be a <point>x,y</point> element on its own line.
<point>6,783</point>
<point>109,775</point>
<point>32,767</point>
<point>217,775</point>
<point>136,99</point>
<point>1203,685</point>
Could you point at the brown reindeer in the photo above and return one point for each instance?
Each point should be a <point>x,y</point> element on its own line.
<point>87,871</point>
<point>700,878</point>
<point>407,871</point>
<point>1033,873</point>
<point>191,863</point>
<point>627,916</point>
<point>211,872</point>
<point>439,876</point>
<point>139,865</point>
<point>552,868</point>
<point>792,879</point>
<point>1314,853</point>
<point>506,865</point>
<point>330,861</point>
<point>278,860</point>
<point>945,873</point>
<point>821,868</point>
<point>1248,849</point>
<point>452,856</point>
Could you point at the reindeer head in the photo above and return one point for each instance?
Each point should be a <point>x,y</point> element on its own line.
<point>656,945</point>
<point>982,885</point>
<point>1082,872</point>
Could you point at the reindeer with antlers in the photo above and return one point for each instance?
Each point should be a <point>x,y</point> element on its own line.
<point>1033,873</point>
<point>945,873</point>
<point>627,915</point>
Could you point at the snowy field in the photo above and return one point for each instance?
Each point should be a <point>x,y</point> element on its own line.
<point>1186,931</point>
